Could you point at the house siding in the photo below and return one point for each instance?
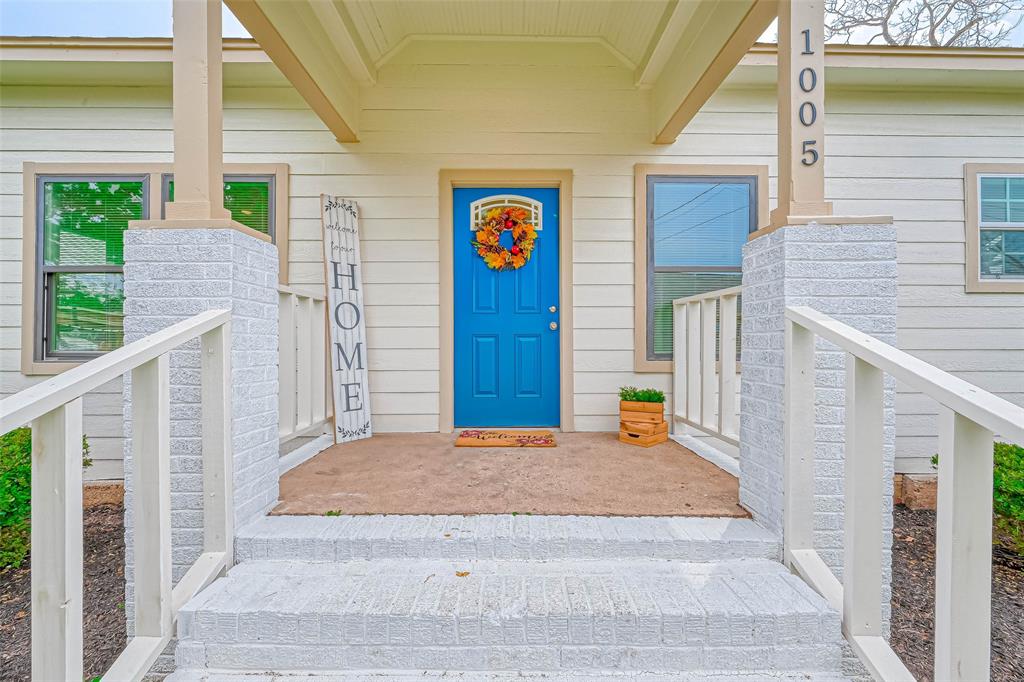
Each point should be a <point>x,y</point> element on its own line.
<point>469,105</point>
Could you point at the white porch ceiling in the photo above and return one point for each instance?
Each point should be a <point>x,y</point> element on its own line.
<point>331,50</point>
<point>629,27</point>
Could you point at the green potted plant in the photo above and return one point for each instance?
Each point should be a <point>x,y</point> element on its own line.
<point>645,405</point>
<point>642,416</point>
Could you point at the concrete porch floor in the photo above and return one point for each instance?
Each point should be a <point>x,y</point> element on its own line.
<point>589,474</point>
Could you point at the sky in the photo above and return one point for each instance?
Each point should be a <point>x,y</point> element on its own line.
<point>142,18</point>
<point>96,18</point>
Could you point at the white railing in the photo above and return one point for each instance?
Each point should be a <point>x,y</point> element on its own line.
<point>54,409</point>
<point>964,534</point>
<point>695,381</point>
<point>304,383</point>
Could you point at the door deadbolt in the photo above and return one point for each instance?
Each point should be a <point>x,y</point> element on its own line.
<point>553,326</point>
<point>553,309</point>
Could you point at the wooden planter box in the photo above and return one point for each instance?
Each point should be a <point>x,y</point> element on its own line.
<point>642,424</point>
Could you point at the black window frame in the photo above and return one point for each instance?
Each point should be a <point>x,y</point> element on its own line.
<point>652,181</point>
<point>45,304</point>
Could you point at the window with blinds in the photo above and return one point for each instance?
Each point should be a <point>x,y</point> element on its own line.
<point>696,228</point>
<point>1001,225</point>
<point>250,198</point>
<point>80,223</point>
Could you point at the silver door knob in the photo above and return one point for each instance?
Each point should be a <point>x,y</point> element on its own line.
<point>553,309</point>
<point>553,326</point>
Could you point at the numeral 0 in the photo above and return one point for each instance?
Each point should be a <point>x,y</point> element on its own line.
<point>802,79</point>
<point>808,113</point>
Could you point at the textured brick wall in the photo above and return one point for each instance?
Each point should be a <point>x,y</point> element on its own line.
<point>848,272</point>
<point>170,275</point>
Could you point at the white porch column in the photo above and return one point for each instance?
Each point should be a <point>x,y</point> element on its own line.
<point>195,259</point>
<point>801,86</point>
<point>198,112</point>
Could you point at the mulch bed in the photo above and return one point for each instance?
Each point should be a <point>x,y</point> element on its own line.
<point>103,600</point>
<point>913,599</point>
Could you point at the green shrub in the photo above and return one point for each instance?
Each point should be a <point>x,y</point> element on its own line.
<point>641,395</point>
<point>15,493</point>
<point>1008,492</point>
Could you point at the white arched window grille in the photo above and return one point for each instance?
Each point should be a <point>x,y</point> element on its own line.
<point>480,207</point>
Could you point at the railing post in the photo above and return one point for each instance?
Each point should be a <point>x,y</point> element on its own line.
<point>286,363</point>
<point>963,550</point>
<point>693,361</point>
<point>708,313</point>
<point>678,362</point>
<point>318,345</point>
<point>56,561</point>
<point>151,458</point>
<point>727,365</point>
<point>218,464</point>
<point>304,363</point>
<point>862,514</point>
<point>798,441</point>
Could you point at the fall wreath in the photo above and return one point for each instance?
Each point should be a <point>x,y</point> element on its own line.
<point>487,241</point>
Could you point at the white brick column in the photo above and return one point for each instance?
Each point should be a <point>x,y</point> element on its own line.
<point>170,275</point>
<point>848,272</point>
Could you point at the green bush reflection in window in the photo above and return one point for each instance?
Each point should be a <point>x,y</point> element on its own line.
<point>82,254</point>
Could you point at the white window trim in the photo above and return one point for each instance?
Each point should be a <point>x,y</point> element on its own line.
<point>31,361</point>
<point>973,172</point>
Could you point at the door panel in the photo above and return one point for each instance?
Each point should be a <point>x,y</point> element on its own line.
<point>506,351</point>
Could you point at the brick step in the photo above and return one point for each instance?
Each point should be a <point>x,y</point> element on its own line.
<point>503,536</point>
<point>561,616</point>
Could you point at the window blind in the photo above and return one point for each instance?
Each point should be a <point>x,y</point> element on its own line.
<point>696,228</point>
<point>1002,205</point>
<point>84,221</point>
<point>248,201</point>
<point>82,224</point>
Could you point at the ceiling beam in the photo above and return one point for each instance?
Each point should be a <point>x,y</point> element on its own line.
<point>333,96</point>
<point>713,42</point>
<point>670,29</point>
<point>337,22</point>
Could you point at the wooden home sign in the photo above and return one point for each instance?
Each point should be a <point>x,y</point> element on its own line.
<point>346,321</point>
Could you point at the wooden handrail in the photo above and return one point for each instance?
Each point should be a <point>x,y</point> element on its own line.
<point>969,419</point>
<point>54,408</point>
<point>295,291</point>
<point>977,404</point>
<point>708,295</point>
<point>48,395</point>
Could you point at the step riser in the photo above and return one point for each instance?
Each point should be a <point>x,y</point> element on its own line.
<point>309,629</point>
<point>285,549</point>
<point>596,658</point>
<point>503,537</point>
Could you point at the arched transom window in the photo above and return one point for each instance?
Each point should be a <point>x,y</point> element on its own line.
<point>480,207</point>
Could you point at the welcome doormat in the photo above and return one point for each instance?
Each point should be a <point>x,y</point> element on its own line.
<point>486,438</point>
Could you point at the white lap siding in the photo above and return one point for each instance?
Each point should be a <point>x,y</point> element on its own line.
<point>469,105</point>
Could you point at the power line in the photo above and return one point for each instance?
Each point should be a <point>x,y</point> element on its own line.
<point>693,227</point>
<point>686,203</point>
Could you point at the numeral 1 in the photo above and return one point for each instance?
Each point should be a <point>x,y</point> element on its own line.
<point>807,41</point>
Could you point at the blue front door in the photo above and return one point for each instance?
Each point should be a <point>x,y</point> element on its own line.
<point>506,323</point>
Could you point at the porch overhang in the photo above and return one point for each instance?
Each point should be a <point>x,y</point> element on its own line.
<point>314,45</point>
<point>681,49</point>
<point>695,54</point>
